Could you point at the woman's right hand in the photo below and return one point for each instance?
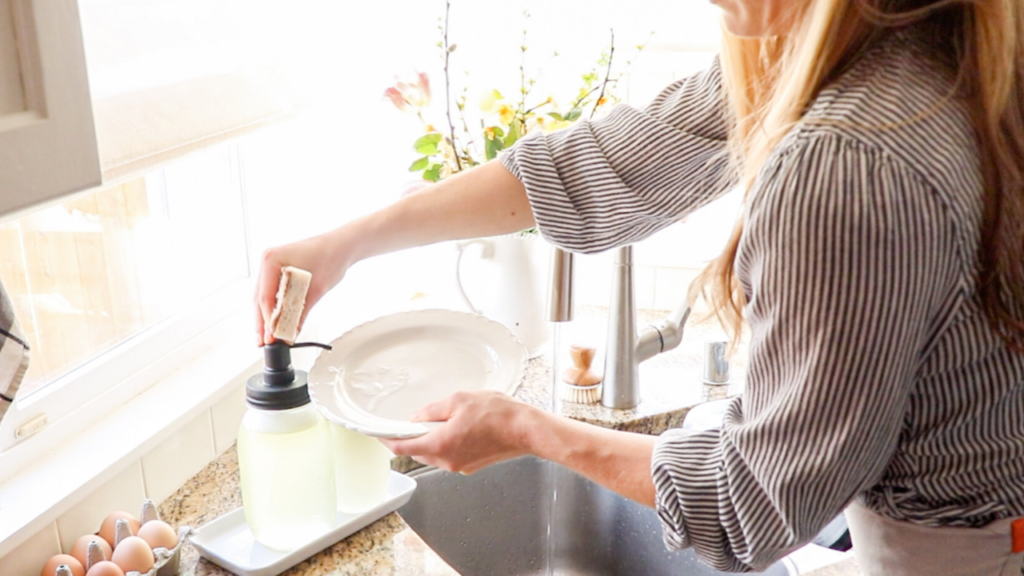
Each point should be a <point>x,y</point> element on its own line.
<point>318,255</point>
<point>484,201</point>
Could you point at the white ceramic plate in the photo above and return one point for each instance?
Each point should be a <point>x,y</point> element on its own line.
<point>228,542</point>
<point>379,373</point>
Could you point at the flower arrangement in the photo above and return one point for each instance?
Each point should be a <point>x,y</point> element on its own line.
<point>504,120</point>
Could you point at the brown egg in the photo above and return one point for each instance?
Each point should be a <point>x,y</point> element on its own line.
<point>134,554</point>
<point>105,568</point>
<point>158,534</point>
<point>81,548</point>
<point>50,568</point>
<point>109,523</point>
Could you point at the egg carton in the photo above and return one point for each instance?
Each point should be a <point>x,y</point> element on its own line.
<point>167,562</point>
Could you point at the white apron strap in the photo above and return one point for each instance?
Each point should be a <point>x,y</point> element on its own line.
<point>887,547</point>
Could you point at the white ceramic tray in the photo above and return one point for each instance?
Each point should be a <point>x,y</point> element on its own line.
<point>379,373</point>
<point>228,542</point>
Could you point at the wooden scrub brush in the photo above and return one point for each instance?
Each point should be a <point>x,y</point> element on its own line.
<point>581,384</point>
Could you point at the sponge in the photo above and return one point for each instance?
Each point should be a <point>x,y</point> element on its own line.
<point>291,298</point>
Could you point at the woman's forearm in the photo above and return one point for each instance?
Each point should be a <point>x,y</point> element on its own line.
<point>619,461</point>
<point>484,427</point>
<point>484,201</point>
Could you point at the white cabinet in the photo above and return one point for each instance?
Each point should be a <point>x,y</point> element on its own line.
<point>47,136</point>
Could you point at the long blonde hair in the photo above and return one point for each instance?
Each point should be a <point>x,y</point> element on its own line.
<point>772,81</point>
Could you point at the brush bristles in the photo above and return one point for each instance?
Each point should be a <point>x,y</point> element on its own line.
<point>581,394</point>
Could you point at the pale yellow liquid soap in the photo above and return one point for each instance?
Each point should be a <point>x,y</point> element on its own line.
<point>288,488</point>
<point>362,468</point>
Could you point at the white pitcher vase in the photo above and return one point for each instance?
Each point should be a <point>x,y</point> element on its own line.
<point>503,278</point>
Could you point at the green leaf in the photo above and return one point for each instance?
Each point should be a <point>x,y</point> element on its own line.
<point>419,164</point>
<point>492,147</point>
<point>432,173</point>
<point>427,145</point>
<point>498,133</point>
<point>573,114</point>
<point>556,116</point>
<point>513,133</point>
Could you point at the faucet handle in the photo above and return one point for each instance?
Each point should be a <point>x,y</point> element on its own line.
<point>581,374</point>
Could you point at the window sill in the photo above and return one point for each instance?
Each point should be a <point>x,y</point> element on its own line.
<point>195,376</point>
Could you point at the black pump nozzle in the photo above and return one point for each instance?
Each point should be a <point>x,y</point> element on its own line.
<point>277,364</point>
<point>277,361</point>
<point>280,386</point>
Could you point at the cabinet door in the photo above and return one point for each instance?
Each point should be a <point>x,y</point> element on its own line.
<point>47,137</point>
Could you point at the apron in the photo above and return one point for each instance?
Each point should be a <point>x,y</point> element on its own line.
<point>887,547</point>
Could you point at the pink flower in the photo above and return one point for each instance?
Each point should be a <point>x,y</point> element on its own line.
<point>411,96</point>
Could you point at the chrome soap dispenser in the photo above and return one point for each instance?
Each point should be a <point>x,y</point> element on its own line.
<point>284,456</point>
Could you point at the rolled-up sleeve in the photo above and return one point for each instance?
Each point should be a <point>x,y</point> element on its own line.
<point>846,256</point>
<point>608,182</point>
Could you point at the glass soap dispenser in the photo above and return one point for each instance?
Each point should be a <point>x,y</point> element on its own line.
<point>284,456</point>
<point>362,469</point>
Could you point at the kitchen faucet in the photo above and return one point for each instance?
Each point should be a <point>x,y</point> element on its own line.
<point>626,348</point>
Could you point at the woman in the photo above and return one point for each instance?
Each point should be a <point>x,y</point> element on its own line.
<point>878,265</point>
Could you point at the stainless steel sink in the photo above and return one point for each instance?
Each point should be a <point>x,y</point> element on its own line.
<point>496,522</point>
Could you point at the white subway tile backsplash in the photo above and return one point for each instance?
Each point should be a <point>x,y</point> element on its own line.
<point>29,557</point>
<point>593,275</point>
<point>178,458</point>
<point>227,417</point>
<point>643,286</point>
<point>671,285</point>
<point>125,491</point>
<point>655,287</point>
<point>666,248</point>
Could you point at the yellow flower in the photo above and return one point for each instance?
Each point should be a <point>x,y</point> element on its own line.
<point>489,133</point>
<point>506,113</point>
<point>493,103</point>
<point>490,102</point>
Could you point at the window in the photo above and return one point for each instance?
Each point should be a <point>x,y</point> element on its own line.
<point>102,268</point>
<point>106,281</point>
<point>96,270</point>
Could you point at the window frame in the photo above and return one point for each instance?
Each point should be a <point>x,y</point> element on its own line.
<point>84,395</point>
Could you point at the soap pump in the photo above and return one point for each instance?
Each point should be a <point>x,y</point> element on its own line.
<point>284,455</point>
<point>279,386</point>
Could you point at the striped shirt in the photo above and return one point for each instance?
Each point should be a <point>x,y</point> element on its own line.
<point>873,373</point>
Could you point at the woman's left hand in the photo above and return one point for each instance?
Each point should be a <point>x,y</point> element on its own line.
<point>479,429</point>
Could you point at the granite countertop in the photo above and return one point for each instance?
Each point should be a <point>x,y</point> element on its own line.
<point>386,547</point>
<point>670,386</point>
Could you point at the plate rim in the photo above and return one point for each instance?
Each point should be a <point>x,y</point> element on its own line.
<point>372,425</point>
